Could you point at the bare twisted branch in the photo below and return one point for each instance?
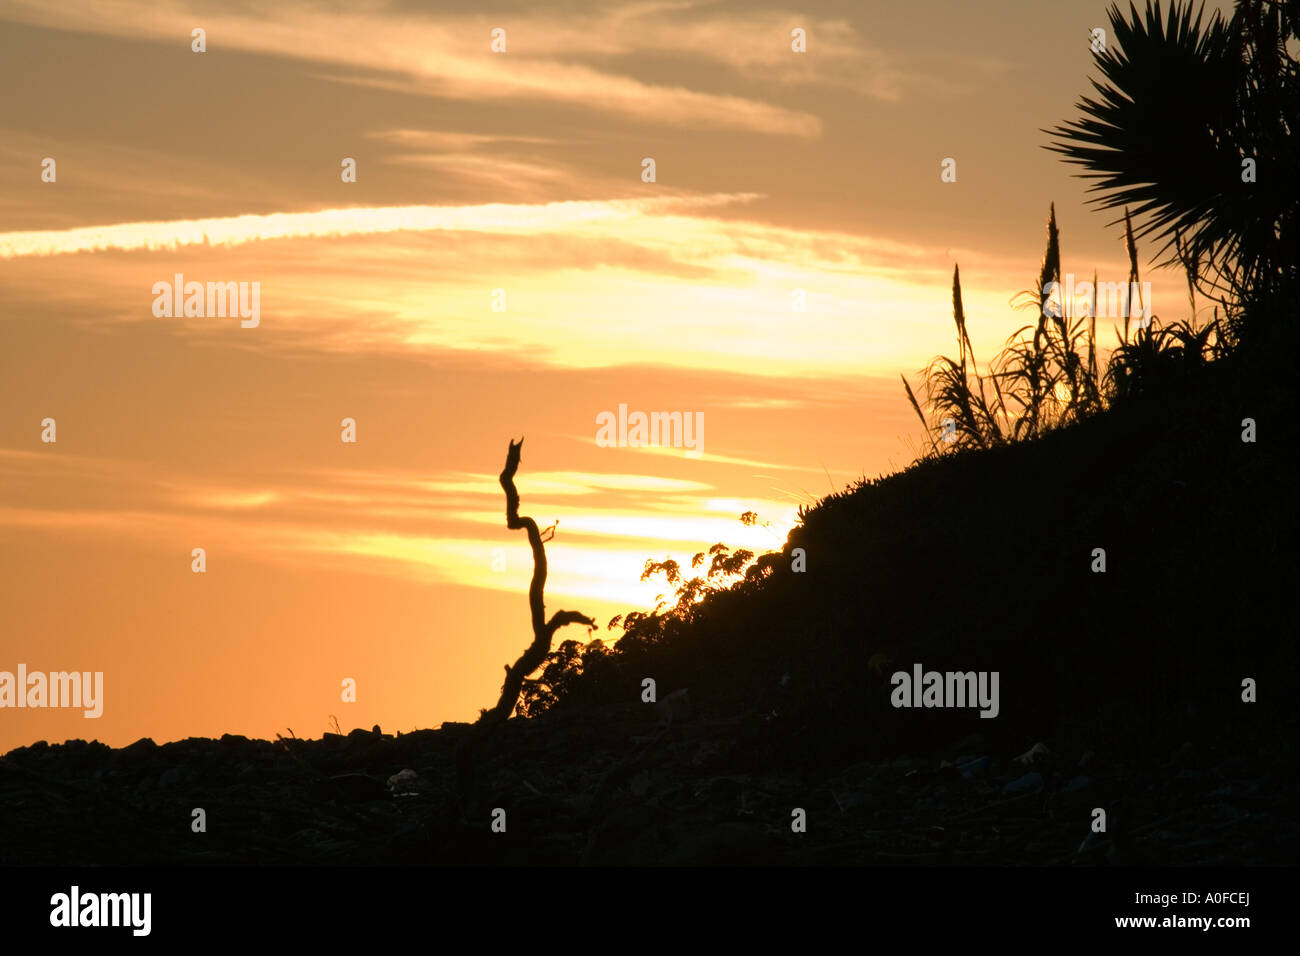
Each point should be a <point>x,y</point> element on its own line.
<point>543,630</point>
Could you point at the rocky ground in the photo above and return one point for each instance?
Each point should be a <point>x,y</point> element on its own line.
<point>614,788</point>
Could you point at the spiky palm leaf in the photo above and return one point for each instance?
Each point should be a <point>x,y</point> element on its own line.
<point>1185,101</point>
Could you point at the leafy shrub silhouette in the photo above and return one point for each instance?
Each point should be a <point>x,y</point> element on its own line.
<point>596,673</point>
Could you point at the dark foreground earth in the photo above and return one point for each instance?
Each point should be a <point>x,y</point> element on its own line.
<point>614,788</point>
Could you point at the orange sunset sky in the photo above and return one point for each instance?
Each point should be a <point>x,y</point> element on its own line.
<point>476,171</point>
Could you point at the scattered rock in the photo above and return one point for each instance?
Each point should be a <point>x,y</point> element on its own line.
<point>676,707</point>
<point>406,781</point>
<point>1092,843</point>
<point>336,800</point>
<point>849,800</point>
<point>1033,755</point>
<point>1030,781</point>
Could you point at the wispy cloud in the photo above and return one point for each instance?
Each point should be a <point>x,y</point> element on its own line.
<point>474,158</point>
<point>448,528</point>
<point>450,56</point>
<point>656,280</point>
<point>332,223</point>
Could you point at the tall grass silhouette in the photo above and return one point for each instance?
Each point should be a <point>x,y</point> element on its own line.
<point>1193,127</point>
<point>1051,373</point>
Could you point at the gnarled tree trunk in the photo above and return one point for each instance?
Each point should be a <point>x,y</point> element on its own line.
<point>543,630</point>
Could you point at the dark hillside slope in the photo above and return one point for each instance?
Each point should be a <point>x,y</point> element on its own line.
<point>982,561</point>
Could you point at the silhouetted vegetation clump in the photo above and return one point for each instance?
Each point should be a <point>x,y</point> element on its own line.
<point>1194,128</point>
<point>983,561</point>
